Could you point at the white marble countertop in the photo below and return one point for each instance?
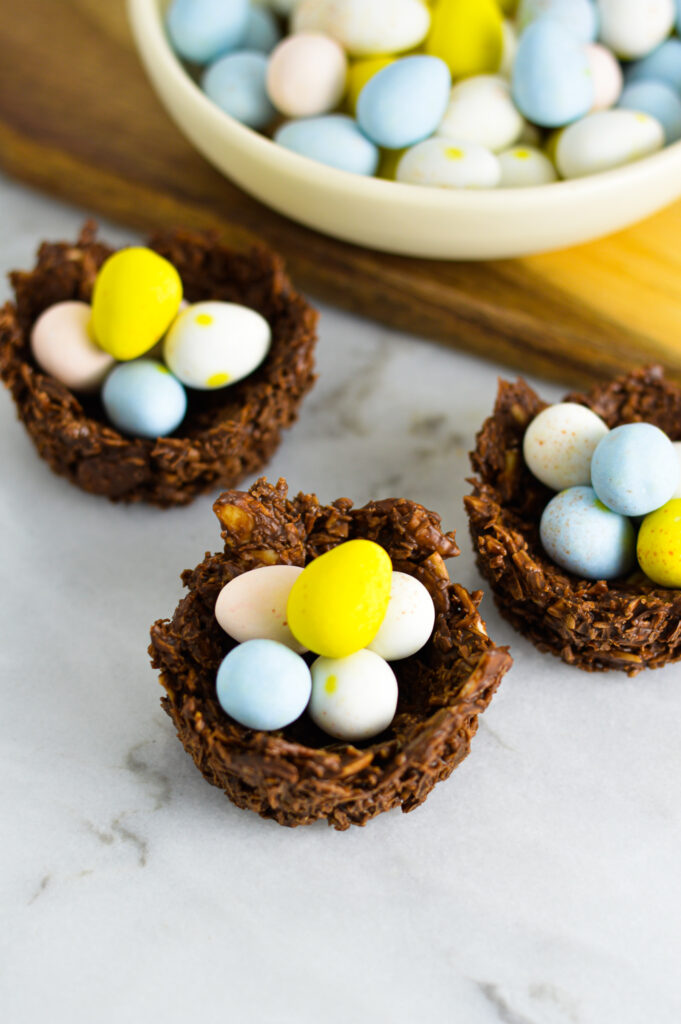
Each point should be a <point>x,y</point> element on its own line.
<point>539,885</point>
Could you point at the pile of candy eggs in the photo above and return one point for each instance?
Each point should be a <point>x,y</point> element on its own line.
<point>444,93</point>
<point>608,480</point>
<point>141,345</point>
<point>349,610</point>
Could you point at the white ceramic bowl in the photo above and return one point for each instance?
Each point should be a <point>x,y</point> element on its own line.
<point>406,219</point>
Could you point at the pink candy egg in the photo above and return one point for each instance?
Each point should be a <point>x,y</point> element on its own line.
<point>606,74</point>
<point>63,347</point>
<point>306,75</point>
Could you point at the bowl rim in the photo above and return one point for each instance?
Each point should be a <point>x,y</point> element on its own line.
<point>147,21</point>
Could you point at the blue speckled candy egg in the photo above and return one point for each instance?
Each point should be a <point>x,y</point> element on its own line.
<point>579,16</point>
<point>583,536</point>
<point>262,30</point>
<point>552,83</point>
<point>201,30</point>
<point>405,101</point>
<point>333,139</point>
<point>263,684</point>
<point>662,65</point>
<point>657,99</point>
<point>142,398</point>
<point>634,469</point>
<point>236,83</point>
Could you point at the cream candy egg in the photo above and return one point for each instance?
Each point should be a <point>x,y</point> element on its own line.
<point>353,698</point>
<point>525,167</point>
<point>481,110</point>
<point>445,163</point>
<point>559,443</point>
<point>212,344</point>
<point>365,28</point>
<point>607,139</point>
<point>252,606</point>
<point>306,74</point>
<point>62,345</point>
<point>408,622</point>
<point>632,28</point>
<point>606,74</point>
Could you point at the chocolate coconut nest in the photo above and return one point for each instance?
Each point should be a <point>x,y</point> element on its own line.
<point>226,434</point>
<point>626,625</point>
<point>298,774</point>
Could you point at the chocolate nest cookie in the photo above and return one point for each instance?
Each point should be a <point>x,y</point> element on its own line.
<point>298,774</point>
<point>626,625</point>
<point>226,434</point>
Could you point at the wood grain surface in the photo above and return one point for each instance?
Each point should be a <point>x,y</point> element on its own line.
<point>79,119</point>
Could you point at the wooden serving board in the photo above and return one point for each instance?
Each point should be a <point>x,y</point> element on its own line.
<point>78,118</point>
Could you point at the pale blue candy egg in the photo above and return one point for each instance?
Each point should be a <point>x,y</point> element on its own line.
<point>200,30</point>
<point>405,101</point>
<point>662,65</point>
<point>552,83</point>
<point>236,83</point>
<point>678,17</point>
<point>333,139</point>
<point>142,398</point>
<point>583,536</point>
<point>263,684</point>
<point>262,30</point>
<point>579,16</point>
<point>634,469</point>
<point>657,99</point>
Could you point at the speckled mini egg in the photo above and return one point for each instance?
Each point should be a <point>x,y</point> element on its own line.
<point>659,545</point>
<point>606,75</point>
<point>525,167</point>
<point>252,606</point>
<point>661,65</point>
<point>236,83</point>
<point>142,398</point>
<point>353,698</point>
<point>213,344</point>
<point>481,110</point>
<point>551,84</point>
<point>334,140</point>
<point>404,102</point>
<point>201,30</point>
<point>408,622</point>
<point>365,28</point>
<point>635,469</point>
<point>605,140</point>
<point>444,163</point>
<point>340,599</point>
<point>677,449</point>
<point>580,17</point>
<point>632,28</point>
<point>62,346</point>
<point>658,100</point>
<point>263,685</point>
<point>467,35</point>
<point>559,444</point>
<point>262,30</point>
<point>306,75</point>
<point>583,536</point>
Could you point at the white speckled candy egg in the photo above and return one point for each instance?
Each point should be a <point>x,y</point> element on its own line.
<point>444,163</point>
<point>213,344</point>
<point>63,346</point>
<point>408,622</point>
<point>353,698</point>
<point>253,606</point>
<point>365,28</point>
<point>606,74</point>
<point>524,167</point>
<point>306,75</point>
<point>481,110</point>
<point>632,28</point>
<point>607,139</point>
<point>559,443</point>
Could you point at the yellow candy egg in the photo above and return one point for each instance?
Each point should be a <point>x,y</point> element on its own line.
<point>337,604</point>
<point>659,545</point>
<point>467,35</point>
<point>136,296</point>
<point>359,73</point>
